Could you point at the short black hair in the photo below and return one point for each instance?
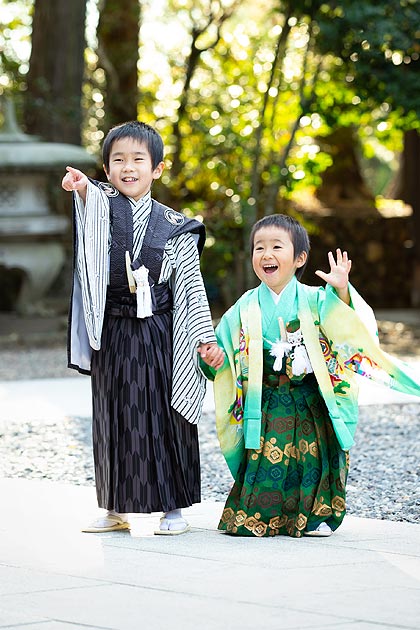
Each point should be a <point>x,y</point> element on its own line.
<point>139,131</point>
<point>298,235</point>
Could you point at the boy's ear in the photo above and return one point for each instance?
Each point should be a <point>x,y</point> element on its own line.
<point>105,171</point>
<point>158,170</point>
<point>301,259</point>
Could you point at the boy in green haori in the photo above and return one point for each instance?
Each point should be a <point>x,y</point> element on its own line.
<point>286,395</point>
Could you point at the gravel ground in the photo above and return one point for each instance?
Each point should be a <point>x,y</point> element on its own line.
<point>384,479</point>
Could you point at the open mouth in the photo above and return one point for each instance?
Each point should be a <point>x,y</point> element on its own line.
<point>129,180</point>
<point>270,268</point>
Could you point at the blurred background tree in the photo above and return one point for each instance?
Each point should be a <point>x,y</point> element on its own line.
<point>52,101</point>
<point>264,106</point>
<point>118,54</point>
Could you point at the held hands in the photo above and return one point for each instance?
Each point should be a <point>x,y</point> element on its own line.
<point>211,354</point>
<point>75,180</point>
<point>338,277</point>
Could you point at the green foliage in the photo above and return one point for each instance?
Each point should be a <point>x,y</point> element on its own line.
<point>244,93</point>
<point>15,38</point>
<point>249,126</point>
<point>379,45</point>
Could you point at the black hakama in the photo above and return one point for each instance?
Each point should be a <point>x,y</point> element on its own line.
<point>146,455</point>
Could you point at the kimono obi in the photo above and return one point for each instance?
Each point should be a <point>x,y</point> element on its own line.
<point>124,304</point>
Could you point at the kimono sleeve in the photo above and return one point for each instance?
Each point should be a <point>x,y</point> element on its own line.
<point>228,392</point>
<point>352,332</point>
<point>92,231</point>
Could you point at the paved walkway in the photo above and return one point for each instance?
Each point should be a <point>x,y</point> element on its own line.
<point>52,577</point>
<point>365,577</point>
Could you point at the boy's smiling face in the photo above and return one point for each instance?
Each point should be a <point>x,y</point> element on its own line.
<point>130,168</point>
<point>273,257</point>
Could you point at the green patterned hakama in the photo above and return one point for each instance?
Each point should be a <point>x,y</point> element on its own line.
<point>297,478</point>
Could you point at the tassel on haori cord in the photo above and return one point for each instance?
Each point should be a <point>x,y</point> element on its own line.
<point>144,296</point>
<point>278,350</point>
<point>300,359</point>
<point>291,345</point>
<point>281,347</point>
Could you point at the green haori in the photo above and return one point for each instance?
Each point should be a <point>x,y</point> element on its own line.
<point>341,341</point>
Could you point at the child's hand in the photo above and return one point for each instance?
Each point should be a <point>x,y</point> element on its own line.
<point>211,354</point>
<point>75,180</point>
<point>338,277</point>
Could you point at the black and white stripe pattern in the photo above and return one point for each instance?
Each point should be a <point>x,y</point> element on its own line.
<point>191,325</point>
<point>92,258</point>
<point>192,322</point>
<point>141,213</point>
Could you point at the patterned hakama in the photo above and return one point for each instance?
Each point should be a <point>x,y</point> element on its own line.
<point>146,455</point>
<point>297,479</point>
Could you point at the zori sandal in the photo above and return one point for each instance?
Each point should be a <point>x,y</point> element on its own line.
<point>172,527</point>
<point>109,523</point>
<point>322,530</point>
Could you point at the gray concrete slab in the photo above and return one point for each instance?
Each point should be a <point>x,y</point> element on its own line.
<point>53,577</point>
<point>364,577</point>
<point>50,625</point>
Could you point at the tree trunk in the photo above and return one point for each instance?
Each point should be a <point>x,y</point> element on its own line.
<point>343,189</point>
<point>407,189</point>
<point>53,103</point>
<point>118,54</point>
<point>191,65</point>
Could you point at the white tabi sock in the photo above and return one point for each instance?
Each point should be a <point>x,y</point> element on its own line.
<point>173,514</point>
<point>121,515</point>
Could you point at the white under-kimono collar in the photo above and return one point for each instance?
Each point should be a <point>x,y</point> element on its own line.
<point>276,296</point>
<point>141,207</point>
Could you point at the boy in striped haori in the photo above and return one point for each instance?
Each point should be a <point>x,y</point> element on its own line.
<point>138,321</point>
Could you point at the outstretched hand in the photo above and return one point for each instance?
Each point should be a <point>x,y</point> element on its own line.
<point>75,180</point>
<point>338,276</point>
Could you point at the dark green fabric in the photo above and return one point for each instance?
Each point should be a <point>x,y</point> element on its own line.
<point>296,480</point>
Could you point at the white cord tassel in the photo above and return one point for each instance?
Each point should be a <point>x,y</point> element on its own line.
<point>300,361</point>
<point>278,350</point>
<point>144,297</point>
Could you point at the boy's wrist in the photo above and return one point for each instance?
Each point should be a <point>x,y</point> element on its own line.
<point>82,193</point>
<point>344,294</point>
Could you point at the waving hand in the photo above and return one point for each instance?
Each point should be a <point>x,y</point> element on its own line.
<point>338,276</point>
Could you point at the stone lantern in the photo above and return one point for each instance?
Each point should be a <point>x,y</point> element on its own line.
<point>32,251</point>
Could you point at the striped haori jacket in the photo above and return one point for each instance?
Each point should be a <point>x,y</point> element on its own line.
<point>176,261</point>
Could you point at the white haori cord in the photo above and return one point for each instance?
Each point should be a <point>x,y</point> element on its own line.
<point>144,296</point>
<point>294,348</point>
